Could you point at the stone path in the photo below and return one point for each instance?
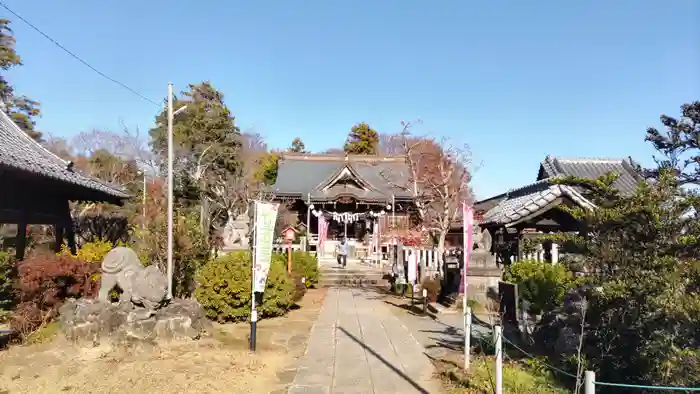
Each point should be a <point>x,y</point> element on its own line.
<point>438,333</point>
<point>358,345</point>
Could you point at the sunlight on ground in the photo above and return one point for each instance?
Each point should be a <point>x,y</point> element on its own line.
<point>219,364</point>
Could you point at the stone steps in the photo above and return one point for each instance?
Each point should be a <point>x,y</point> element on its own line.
<point>352,276</point>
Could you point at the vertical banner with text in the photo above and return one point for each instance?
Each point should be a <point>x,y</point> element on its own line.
<point>264,232</point>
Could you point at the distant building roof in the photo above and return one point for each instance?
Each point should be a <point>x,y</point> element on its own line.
<point>20,152</point>
<point>519,204</point>
<point>328,177</point>
<point>592,168</point>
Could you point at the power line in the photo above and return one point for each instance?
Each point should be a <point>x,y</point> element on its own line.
<point>76,57</point>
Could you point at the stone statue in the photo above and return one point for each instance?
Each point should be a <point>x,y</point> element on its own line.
<point>142,286</point>
<point>482,239</point>
<point>142,314</point>
<point>236,233</point>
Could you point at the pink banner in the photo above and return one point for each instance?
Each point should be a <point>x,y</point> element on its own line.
<point>322,231</point>
<point>468,233</point>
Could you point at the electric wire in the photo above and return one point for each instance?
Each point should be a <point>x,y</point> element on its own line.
<point>76,57</point>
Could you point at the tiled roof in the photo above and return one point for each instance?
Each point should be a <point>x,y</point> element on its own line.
<point>592,168</point>
<point>520,203</point>
<point>20,152</point>
<point>299,175</point>
<point>516,204</point>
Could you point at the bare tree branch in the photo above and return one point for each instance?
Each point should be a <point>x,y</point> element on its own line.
<point>438,176</point>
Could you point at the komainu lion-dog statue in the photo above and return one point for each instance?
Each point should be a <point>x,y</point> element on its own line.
<point>143,286</point>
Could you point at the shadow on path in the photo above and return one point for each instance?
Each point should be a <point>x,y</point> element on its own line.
<point>383,360</point>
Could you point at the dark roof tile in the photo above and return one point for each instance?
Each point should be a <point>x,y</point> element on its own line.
<point>515,204</point>
<point>593,168</point>
<point>19,151</point>
<point>301,175</point>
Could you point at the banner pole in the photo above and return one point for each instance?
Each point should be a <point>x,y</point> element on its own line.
<point>467,229</point>
<point>253,311</point>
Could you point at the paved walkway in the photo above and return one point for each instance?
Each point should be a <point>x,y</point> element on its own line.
<point>438,333</point>
<point>358,345</point>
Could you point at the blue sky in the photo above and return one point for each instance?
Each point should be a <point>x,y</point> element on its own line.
<point>515,80</point>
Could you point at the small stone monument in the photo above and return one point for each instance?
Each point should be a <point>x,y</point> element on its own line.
<point>484,273</point>
<point>142,312</point>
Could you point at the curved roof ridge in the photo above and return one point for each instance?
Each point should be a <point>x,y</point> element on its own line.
<point>30,140</point>
<point>26,154</point>
<point>326,182</point>
<point>589,159</point>
<point>529,185</point>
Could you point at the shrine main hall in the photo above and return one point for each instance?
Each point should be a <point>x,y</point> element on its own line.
<point>362,198</point>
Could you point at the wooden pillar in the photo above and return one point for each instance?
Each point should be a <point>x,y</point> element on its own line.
<point>68,226</point>
<point>58,230</point>
<point>21,241</point>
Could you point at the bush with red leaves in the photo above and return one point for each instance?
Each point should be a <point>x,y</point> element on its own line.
<point>44,283</point>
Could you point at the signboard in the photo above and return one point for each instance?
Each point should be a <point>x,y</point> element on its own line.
<point>264,231</point>
<point>289,234</point>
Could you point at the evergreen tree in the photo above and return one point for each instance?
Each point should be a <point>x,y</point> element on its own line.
<point>207,153</point>
<point>21,109</point>
<point>642,256</point>
<point>297,146</point>
<point>362,140</point>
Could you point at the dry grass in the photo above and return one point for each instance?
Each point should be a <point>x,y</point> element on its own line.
<point>219,364</point>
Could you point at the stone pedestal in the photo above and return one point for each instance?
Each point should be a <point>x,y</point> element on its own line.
<point>483,276</point>
<point>93,320</point>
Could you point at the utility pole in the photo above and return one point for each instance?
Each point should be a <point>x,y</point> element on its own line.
<point>309,207</point>
<point>143,220</point>
<point>393,212</point>
<point>170,191</point>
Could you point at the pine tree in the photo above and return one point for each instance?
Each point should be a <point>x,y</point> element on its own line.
<point>21,109</point>
<point>362,140</point>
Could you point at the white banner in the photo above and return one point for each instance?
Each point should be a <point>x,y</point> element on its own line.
<point>264,231</point>
<point>412,268</point>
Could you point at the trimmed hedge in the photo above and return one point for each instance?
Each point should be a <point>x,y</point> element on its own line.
<point>225,288</point>
<point>541,283</point>
<point>305,265</point>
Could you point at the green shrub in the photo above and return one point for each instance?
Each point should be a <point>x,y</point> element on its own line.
<point>305,265</point>
<point>7,277</point>
<point>542,284</point>
<point>518,377</point>
<point>225,288</point>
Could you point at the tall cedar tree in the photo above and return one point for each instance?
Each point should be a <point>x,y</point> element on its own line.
<point>21,109</point>
<point>362,140</point>
<point>206,138</point>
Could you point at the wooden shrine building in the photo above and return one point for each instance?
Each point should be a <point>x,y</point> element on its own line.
<point>38,185</point>
<point>358,195</point>
<point>530,210</point>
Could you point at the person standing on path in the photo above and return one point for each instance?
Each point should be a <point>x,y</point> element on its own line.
<point>344,247</point>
